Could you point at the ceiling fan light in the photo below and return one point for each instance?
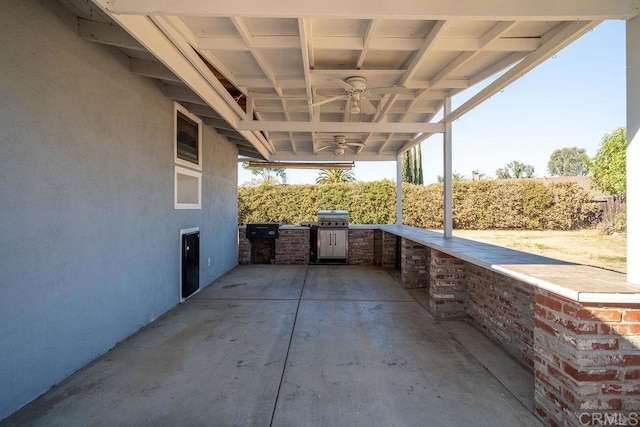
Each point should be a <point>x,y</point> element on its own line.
<point>355,109</point>
<point>339,151</point>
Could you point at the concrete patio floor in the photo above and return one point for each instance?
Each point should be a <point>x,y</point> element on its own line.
<point>318,345</point>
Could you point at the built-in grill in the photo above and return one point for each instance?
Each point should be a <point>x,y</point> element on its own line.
<point>263,231</point>
<point>263,242</point>
<point>333,235</point>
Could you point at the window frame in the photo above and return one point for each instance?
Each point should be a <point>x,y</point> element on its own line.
<point>179,170</point>
<point>179,109</point>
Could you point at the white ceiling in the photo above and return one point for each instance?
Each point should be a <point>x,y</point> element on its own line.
<point>283,56</point>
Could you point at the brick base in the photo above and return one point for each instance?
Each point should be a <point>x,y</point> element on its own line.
<point>414,264</point>
<point>388,251</point>
<point>502,308</point>
<point>293,246</point>
<point>587,361</point>
<point>362,247</point>
<point>447,286</point>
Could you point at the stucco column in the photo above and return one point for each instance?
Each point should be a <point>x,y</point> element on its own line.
<point>399,189</point>
<point>633,150</point>
<point>447,172</point>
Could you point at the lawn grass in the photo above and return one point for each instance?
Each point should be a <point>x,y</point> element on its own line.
<point>589,247</point>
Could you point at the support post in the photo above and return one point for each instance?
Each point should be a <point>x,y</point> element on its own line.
<point>447,172</point>
<point>633,150</point>
<point>399,189</point>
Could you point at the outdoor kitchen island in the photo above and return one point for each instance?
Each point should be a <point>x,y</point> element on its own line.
<point>295,245</point>
<point>576,327</point>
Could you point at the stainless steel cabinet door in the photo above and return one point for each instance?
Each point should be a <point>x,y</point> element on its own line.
<point>340,244</point>
<point>325,244</point>
<point>332,244</point>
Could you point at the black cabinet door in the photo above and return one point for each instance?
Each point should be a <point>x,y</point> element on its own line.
<point>190,263</point>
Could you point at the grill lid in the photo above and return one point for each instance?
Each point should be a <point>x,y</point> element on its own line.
<point>333,218</point>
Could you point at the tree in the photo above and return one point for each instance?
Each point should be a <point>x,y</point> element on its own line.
<point>269,176</point>
<point>412,166</point>
<point>455,176</point>
<point>515,169</point>
<point>335,176</point>
<point>568,162</point>
<point>609,166</point>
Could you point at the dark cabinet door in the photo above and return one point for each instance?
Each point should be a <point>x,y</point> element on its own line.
<point>190,263</point>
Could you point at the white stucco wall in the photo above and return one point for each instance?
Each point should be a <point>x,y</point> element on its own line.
<point>633,150</point>
<point>89,239</point>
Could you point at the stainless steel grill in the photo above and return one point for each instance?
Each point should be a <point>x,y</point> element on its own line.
<point>333,219</point>
<point>333,235</point>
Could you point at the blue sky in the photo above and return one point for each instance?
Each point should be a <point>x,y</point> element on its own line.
<point>570,100</point>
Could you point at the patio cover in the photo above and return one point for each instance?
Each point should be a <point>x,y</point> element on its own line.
<point>280,57</point>
<point>276,77</point>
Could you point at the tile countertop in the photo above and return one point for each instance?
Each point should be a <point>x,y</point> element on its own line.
<point>577,282</point>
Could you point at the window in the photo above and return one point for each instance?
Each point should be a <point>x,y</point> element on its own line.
<point>188,159</point>
<point>188,188</point>
<point>188,138</point>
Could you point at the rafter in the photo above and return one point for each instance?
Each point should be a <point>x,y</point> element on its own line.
<point>303,30</point>
<point>152,69</point>
<point>112,35</point>
<point>568,32</point>
<point>414,65</point>
<point>182,29</point>
<point>371,29</point>
<point>245,33</point>
<point>289,126</point>
<point>150,36</point>
<point>421,55</point>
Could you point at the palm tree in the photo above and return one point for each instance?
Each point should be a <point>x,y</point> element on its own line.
<point>335,176</point>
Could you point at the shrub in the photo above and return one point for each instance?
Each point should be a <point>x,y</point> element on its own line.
<point>620,223</point>
<point>497,204</point>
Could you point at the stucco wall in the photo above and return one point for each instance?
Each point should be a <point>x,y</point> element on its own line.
<point>89,239</point>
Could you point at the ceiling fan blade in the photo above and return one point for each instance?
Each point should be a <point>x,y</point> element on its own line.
<point>326,101</point>
<point>323,148</point>
<point>398,90</point>
<point>342,84</point>
<point>356,144</point>
<point>367,107</point>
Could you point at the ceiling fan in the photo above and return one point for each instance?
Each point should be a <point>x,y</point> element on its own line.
<point>356,93</point>
<point>340,144</point>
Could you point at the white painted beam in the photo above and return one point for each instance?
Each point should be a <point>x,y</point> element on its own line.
<point>203,111</point>
<point>182,30</point>
<point>366,45</point>
<point>148,34</point>
<point>633,151</point>
<point>259,42</point>
<point>303,31</point>
<point>220,124</point>
<point>421,55</point>
<point>382,9</point>
<point>414,65</point>
<point>113,35</point>
<point>179,93</point>
<point>399,189</point>
<point>245,33</point>
<point>329,156</point>
<point>151,69</point>
<point>284,126</point>
<point>569,32</point>
<point>447,173</point>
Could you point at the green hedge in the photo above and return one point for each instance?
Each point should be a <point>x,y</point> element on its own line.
<point>495,204</point>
